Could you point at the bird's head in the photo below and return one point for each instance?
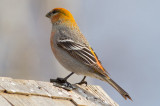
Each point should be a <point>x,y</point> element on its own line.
<point>60,15</point>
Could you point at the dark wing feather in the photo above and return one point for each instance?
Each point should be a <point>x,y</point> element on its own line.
<point>81,53</point>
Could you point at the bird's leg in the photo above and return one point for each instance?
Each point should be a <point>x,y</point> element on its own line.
<point>63,82</point>
<point>83,81</point>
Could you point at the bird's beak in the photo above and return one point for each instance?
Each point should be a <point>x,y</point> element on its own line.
<point>48,15</point>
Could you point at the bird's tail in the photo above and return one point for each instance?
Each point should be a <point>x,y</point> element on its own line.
<point>118,88</point>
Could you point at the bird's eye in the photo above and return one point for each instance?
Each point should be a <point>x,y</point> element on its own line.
<point>53,12</point>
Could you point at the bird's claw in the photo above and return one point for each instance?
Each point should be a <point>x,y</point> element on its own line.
<point>61,82</point>
<point>82,82</point>
<point>58,80</point>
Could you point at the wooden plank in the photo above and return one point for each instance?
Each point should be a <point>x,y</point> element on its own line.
<point>105,96</point>
<point>62,93</point>
<point>31,92</point>
<point>23,100</point>
<point>4,102</point>
<point>26,87</point>
<point>45,101</point>
<point>76,95</point>
<point>95,94</point>
<point>80,99</point>
<point>54,91</point>
<point>18,100</point>
<point>1,89</point>
<point>2,80</point>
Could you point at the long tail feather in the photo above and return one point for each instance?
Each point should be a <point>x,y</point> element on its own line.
<point>118,88</point>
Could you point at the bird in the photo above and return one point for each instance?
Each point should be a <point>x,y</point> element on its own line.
<point>72,50</point>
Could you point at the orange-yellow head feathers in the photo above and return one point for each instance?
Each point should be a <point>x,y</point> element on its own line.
<point>60,15</point>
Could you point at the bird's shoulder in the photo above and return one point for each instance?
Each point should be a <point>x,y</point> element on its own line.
<point>74,35</point>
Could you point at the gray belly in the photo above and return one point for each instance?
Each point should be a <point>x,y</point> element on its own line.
<point>70,63</point>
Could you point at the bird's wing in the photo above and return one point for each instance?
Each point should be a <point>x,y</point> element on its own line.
<point>84,54</point>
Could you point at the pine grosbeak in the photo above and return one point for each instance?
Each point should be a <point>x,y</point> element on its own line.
<point>73,51</point>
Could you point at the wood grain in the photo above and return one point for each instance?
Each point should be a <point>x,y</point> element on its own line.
<point>18,92</point>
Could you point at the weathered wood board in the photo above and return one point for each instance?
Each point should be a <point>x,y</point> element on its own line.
<point>18,92</point>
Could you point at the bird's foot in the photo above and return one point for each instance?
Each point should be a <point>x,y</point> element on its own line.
<point>62,82</point>
<point>82,82</point>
